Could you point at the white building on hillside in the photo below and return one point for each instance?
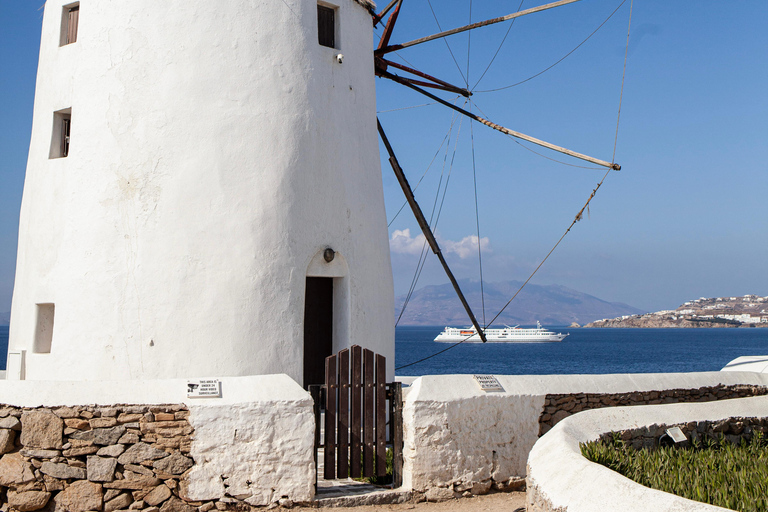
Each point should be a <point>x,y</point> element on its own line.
<point>203,194</point>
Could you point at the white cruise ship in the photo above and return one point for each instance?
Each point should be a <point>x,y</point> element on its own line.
<point>508,334</point>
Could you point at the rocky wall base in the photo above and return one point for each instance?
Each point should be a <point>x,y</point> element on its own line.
<point>99,458</point>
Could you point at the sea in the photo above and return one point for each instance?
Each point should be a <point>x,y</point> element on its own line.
<point>584,351</point>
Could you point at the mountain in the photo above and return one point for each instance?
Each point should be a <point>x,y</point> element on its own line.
<point>5,318</point>
<point>551,305</point>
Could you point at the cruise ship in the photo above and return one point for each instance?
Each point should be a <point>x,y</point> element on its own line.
<point>508,334</point>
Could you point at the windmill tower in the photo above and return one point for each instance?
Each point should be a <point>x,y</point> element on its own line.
<point>203,193</point>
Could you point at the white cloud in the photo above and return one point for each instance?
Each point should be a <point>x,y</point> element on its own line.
<point>401,242</point>
<point>466,247</point>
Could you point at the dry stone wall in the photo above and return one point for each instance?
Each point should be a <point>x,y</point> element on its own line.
<point>732,429</point>
<point>98,458</point>
<point>559,406</point>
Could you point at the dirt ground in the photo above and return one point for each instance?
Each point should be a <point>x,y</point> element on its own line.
<point>503,502</point>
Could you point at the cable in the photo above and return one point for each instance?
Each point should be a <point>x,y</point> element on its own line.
<point>446,42</point>
<point>499,48</point>
<point>407,108</point>
<point>559,61</point>
<point>623,74</point>
<point>477,219</point>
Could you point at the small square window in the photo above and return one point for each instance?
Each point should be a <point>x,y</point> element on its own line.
<point>70,18</point>
<point>62,124</point>
<point>326,26</point>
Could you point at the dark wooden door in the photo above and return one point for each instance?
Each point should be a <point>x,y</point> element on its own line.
<point>318,328</point>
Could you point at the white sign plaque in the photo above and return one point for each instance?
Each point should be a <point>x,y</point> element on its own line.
<point>676,434</point>
<point>204,388</point>
<point>488,383</point>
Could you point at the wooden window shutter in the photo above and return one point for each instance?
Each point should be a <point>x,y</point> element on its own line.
<point>326,26</point>
<point>74,16</point>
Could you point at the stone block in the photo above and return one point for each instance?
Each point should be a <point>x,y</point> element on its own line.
<point>80,496</point>
<point>62,471</point>
<point>129,418</point>
<point>139,469</point>
<point>439,494</point>
<point>175,464</point>
<point>139,453</point>
<point>176,505</point>
<point>10,422</point>
<point>41,430</point>
<point>14,470</point>
<point>111,451</point>
<point>121,502</point>
<point>80,451</point>
<point>129,438</point>
<point>143,482</point>
<point>101,469</point>
<point>28,501</point>
<point>52,484</point>
<point>66,412</point>
<point>110,494</point>
<point>101,436</point>
<point>102,422</point>
<point>77,423</point>
<point>7,440</point>
<point>157,495</point>
<point>164,416</point>
<point>39,454</point>
<point>481,488</point>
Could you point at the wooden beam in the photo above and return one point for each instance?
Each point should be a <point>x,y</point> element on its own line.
<point>513,133</point>
<point>424,225</point>
<point>479,24</point>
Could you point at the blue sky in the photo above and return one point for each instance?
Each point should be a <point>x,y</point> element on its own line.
<point>686,217</point>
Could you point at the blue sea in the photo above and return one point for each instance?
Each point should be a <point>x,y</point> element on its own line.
<point>584,351</point>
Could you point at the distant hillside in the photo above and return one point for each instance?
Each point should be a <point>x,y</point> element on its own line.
<point>5,318</point>
<point>551,305</point>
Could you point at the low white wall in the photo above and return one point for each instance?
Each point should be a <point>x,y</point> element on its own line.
<point>257,439</point>
<point>561,479</point>
<point>456,434</point>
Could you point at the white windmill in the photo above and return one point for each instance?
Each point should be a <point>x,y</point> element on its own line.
<point>203,193</point>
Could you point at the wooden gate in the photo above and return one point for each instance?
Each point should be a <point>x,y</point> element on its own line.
<point>354,399</point>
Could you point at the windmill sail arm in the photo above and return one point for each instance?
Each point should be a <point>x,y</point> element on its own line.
<point>479,24</point>
<point>502,129</point>
<point>424,225</point>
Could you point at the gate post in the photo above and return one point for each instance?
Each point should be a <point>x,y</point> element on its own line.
<point>396,431</point>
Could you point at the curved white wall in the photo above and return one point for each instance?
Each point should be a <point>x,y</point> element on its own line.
<point>560,479</point>
<point>216,148</point>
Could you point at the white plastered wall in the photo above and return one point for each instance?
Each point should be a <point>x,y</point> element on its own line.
<point>215,150</point>
<point>455,433</point>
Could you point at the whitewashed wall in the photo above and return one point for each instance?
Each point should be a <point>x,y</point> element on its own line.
<point>216,149</point>
<point>458,435</point>
<point>560,479</point>
<point>258,438</point>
